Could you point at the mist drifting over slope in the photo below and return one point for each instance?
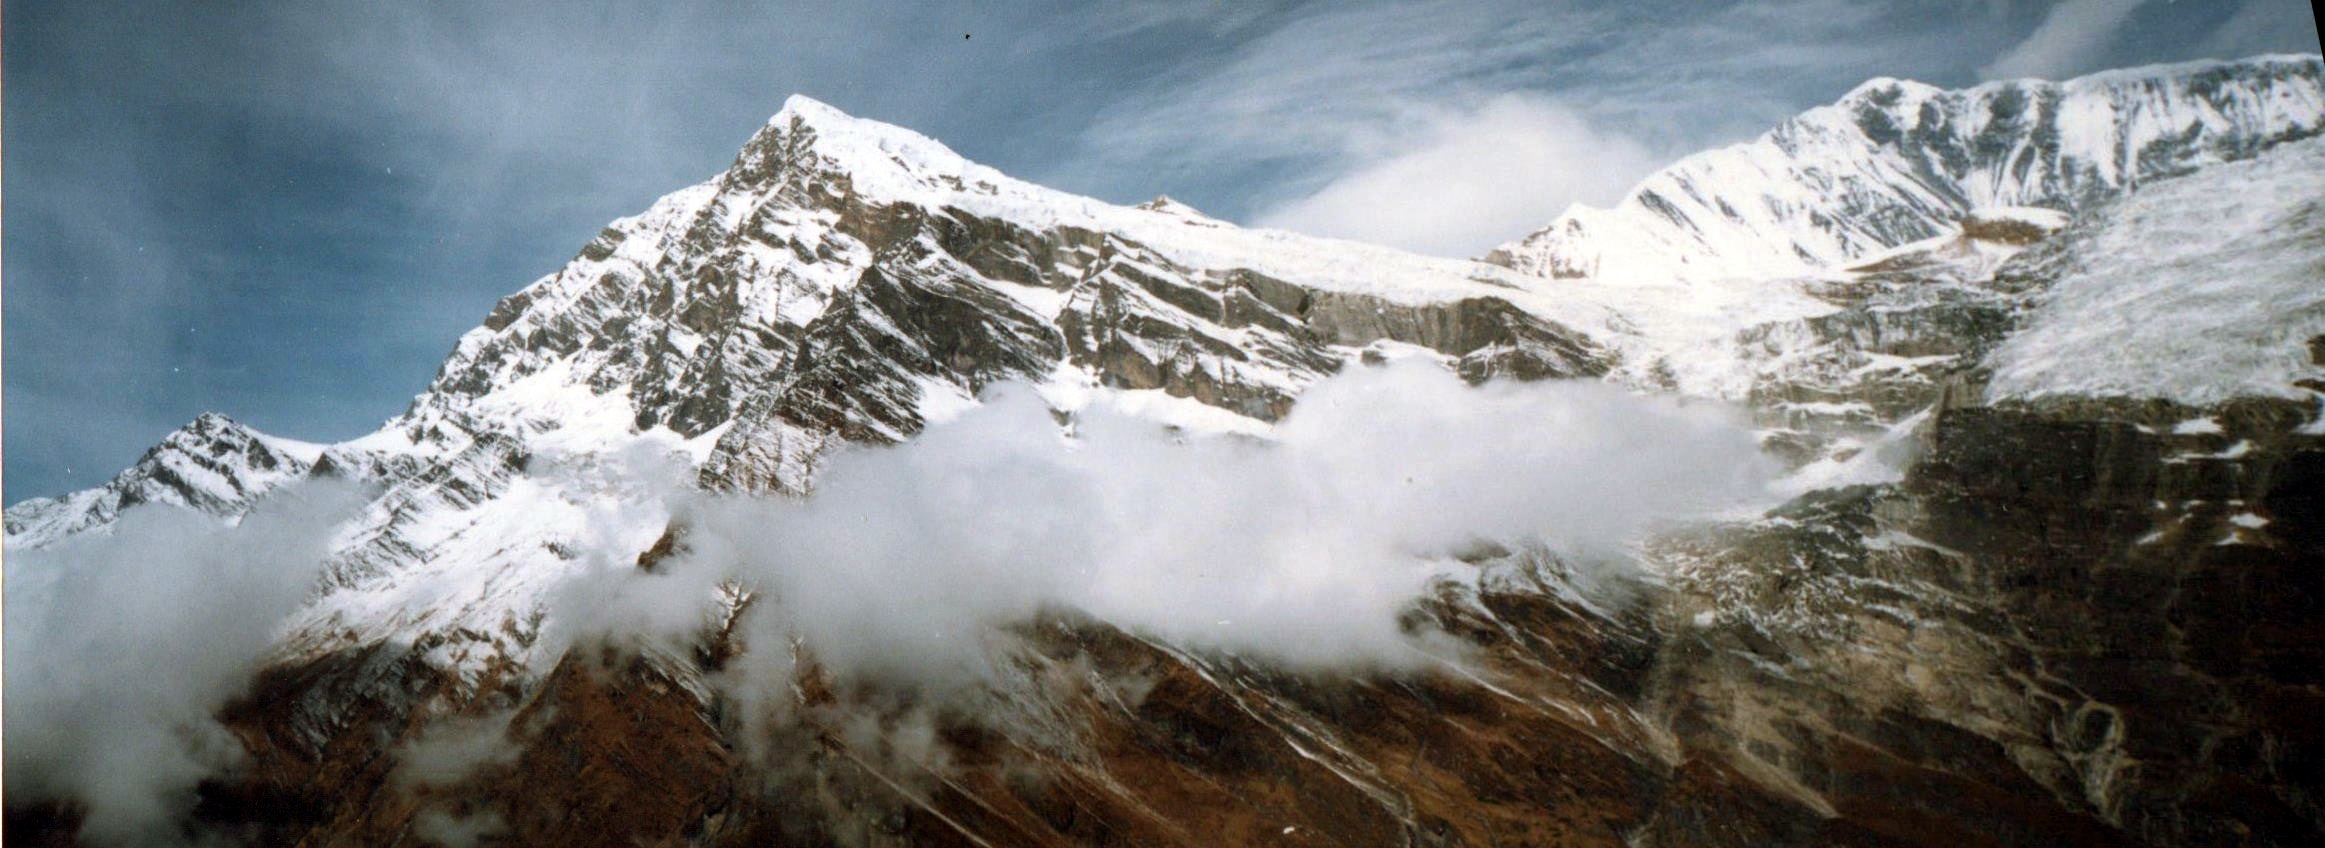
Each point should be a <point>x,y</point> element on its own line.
<point>1301,550</point>
<point>909,564</point>
<point>122,647</point>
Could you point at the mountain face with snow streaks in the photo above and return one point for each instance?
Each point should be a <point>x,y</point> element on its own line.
<point>1897,161</point>
<point>2025,590</point>
<point>844,276</point>
<point>213,464</point>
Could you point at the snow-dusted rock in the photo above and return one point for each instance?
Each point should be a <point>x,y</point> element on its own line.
<point>213,464</point>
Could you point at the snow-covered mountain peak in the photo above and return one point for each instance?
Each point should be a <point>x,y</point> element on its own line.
<point>1895,162</point>
<point>1887,88</point>
<point>688,315</point>
<point>835,240</point>
<point>2293,64</point>
<point>808,109</point>
<point>846,158</point>
<point>1859,281</point>
<point>717,281</point>
<point>1169,205</point>
<point>205,425</point>
<point>878,157</point>
<point>213,464</point>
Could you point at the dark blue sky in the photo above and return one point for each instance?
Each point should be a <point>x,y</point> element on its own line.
<point>287,212</point>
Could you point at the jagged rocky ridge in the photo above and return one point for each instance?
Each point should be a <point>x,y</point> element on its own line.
<point>1904,655</point>
<point>213,464</point>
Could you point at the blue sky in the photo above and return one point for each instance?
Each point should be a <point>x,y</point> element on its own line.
<point>286,212</point>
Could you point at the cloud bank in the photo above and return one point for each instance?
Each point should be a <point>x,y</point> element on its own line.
<point>121,648</point>
<point>2071,36</point>
<point>908,571</point>
<point>908,564</point>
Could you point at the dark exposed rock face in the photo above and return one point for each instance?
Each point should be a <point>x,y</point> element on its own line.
<point>2058,604</point>
<point>2191,648</point>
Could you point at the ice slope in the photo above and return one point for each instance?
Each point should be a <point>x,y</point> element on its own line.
<point>2195,289</point>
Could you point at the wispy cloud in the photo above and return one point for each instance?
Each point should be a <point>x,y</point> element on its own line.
<point>1476,178</point>
<point>122,648</point>
<point>1330,83</point>
<point>1338,101</point>
<point>2069,39</point>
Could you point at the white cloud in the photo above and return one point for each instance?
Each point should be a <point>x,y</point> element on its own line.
<point>451,750</point>
<point>1332,81</point>
<point>909,565</point>
<point>909,569</point>
<point>1310,91</point>
<point>1473,179</point>
<point>2069,41</point>
<point>122,647</point>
